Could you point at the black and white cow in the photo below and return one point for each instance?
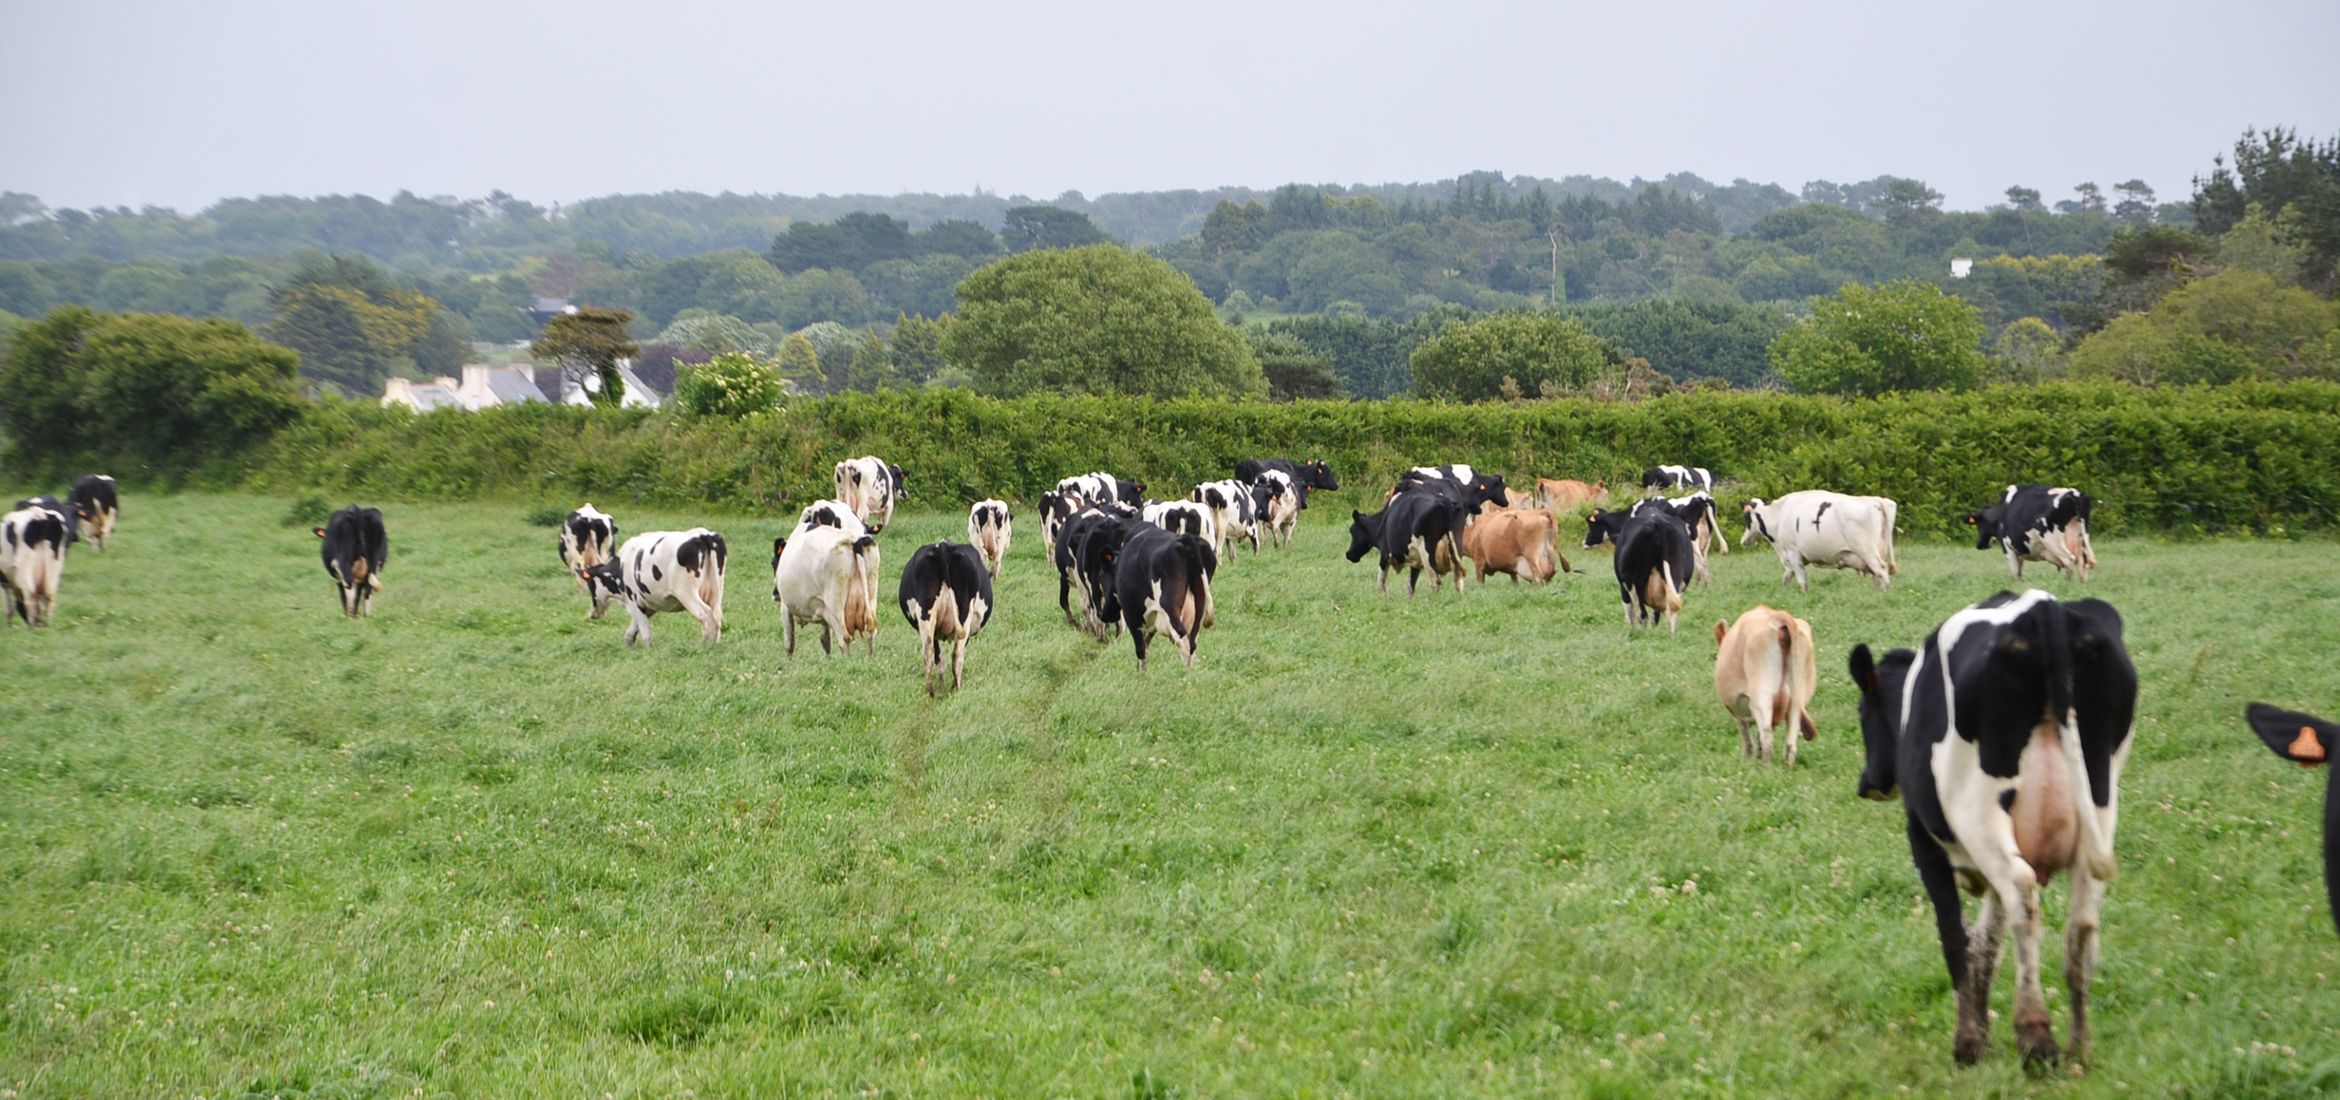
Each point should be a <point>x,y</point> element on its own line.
<point>1083,563</point>
<point>2038,523</point>
<point>2308,741</point>
<point>830,513</point>
<point>1276,497</point>
<point>988,526</point>
<point>1312,474</point>
<point>1184,516</point>
<point>1817,527</point>
<point>1055,509</point>
<point>94,507</point>
<point>32,561</point>
<point>946,595</point>
<point>1102,488</point>
<point>354,547</point>
<point>2004,734</point>
<point>871,486</point>
<point>1475,488</point>
<point>1654,561</point>
<point>1414,531</point>
<point>1698,515</point>
<point>1234,510</point>
<point>1162,585</point>
<point>827,575</point>
<point>1658,479</point>
<point>664,571</point>
<point>588,538</point>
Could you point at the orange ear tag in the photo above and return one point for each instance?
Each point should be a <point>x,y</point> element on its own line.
<point>2306,749</point>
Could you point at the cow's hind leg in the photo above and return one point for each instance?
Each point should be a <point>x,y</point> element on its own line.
<point>638,625</point>
<point>788,632</point>
<point>1941,885</point>
<point>958,662</point>
<point>2080,939</point>
<point>2034,1034</point>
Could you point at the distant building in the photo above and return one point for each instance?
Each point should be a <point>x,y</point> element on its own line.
<point>421,396</point>
<point>545,309</point>
<point>482,386</point>
<point>638,394</point>
<point>1960,268</point>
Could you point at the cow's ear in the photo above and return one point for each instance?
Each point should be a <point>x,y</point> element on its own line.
<point>779,544</point>
<point>1721,628</point>
<point>2303,738</point>
<point>1970,519</point>
<point>1864,670</point>
<point>318,531</point>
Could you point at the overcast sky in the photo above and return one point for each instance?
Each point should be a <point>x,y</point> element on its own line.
<point>178,103</point>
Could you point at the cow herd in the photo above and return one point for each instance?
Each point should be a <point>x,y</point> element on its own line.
<point>2003,733</point>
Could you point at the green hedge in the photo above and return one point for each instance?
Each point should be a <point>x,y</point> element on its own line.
<point>2261,457</point>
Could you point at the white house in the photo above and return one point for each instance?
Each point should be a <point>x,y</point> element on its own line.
<point>482,386</point>
<point>1961,267</point>
<point>637,395</point>
<point>421,396</point>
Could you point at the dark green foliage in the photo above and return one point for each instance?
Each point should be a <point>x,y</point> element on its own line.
<point>1099,319</point>
<point>2250,457</point>
<point>1509,354</point>
<point>1030,227</point>
<point>1686,340</point>
<point>588,344</point>
<point>1294,371</point>
<point>152,395</point>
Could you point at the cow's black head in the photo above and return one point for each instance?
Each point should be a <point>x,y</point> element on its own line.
<point>1364,534</point>
<point>1752,512</point>
<point>778,545</point>
<point>1880,686</point>
<point>901,484</point>
<point>1320,476</point>
<point>1986,526</point>
<point>1600,527</point>
<point>605,583</point>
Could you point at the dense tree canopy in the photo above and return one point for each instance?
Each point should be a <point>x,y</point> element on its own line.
<point>1099,319</point>
<point>1863,341</point>
<point>149,392</point>
<point>1537,354</point>
<point>2235,324</point>
<point>586,346</point>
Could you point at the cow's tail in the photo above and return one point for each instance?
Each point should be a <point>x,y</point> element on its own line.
<point>1791,681</point>
<point>1673,589</point>
<point>2095,847</point>
<point>1892,560</point>
<point>1199,584</point>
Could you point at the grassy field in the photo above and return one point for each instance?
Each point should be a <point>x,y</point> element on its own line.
<point>1486,845</point>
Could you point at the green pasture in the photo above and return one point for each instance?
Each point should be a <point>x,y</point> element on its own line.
<point>1488,844</point>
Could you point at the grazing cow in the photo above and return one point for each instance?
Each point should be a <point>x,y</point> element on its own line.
<point>2038,523</point>
<point>1312,474</point>
<point>1658,479</point>
<point>95,506</point>
<point>2308,741</point>
<point>1817,527</point>
<point>988,530</point>
<point>1559,495</point>
<point>1765,671</point>
<point>588,537</point>
<point>827,575</point>
<point>1083,559</point>
<point>1103,488</point>
<point>871,486</point>
<point>1518,541</point>
<point>32,562</point>
<point>1654,560</point>
<point>664,571</point>
<point>1055,509</point>
<point>354,547</point>
<point>1162,585</point>
<point>1234,510</point>
<point>1182,515</point>
<point>946,595</point>
<point>1415,531</point>
<point>1698,515</point>
<point>1473,487</point>
<point>1277,497</point>
<point>830,513</point>
<point>2005,734</point>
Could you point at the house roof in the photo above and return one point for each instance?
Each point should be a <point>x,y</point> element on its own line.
<point>514,386</point>
<point>431,395</point>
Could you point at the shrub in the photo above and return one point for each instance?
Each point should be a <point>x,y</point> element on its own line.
<point>733,384</point>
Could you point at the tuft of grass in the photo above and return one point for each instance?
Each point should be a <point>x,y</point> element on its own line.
<point>306,511</point>
<point>548,515</point>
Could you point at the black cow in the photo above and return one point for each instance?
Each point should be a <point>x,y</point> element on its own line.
<point>1312,474</point>
<point>1415,531</point>
<point>1473,487</point>
<point>2308,741</point>
<point>1699,515</point>
<point>354,549</point>
<point>1661,478</point>
<point>946,595</point>
<point>1083,562</point>
<point>1654,561</point>
<point>1162,585</point>
<point>95,506</point>
<point>2038,523</point>
<point>2004,735</point>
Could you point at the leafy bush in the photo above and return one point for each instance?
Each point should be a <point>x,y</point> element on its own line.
<point>2254,456</point>
<point>1866,340</point>
<point>732,384</point>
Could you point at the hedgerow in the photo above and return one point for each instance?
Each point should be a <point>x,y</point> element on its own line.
<point>2258,457</point>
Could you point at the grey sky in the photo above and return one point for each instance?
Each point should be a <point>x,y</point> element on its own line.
<point>179,103</point>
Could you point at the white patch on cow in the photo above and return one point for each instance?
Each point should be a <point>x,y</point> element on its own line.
<point>655,580</point>
<point>989,525</point>
<point>866,486</point>
<point>821,578</point>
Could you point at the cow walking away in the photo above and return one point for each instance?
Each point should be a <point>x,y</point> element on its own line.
<point>827,575</point>
<point>1653,562</point>
<point>1562,495</point>
<point>1474,488</point>
<point>1518,541</point>
<point>664,571</point>
<point>588,538</point>
<point>1162,585</point>
<point>355,547</point>
<point>1084,557</point>
<point>2004,734</point>
<point>871,486</point>
<point>32,561</point>
<point>946,595</point>
<point>988,528</point>
<point>2038,523</point>
<point>1100,488</point>
<point>1658,479</point>
<point>1312,474</point>
<point>2309,741</point>
<point>1765,671</point>
<point>1698,515</point>
<point>1278,500</point>
<point>1182,516</point>
<point>1234,510</point>
<point>93,506</point>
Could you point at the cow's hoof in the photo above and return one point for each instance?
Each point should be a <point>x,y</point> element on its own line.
<point>1968,1047</point>
<point>2038,1043</point>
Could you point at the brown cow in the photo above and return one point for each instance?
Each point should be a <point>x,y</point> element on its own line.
<point>1563,495</point>
<point>1764,674</point>
<point>1518,541</point>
